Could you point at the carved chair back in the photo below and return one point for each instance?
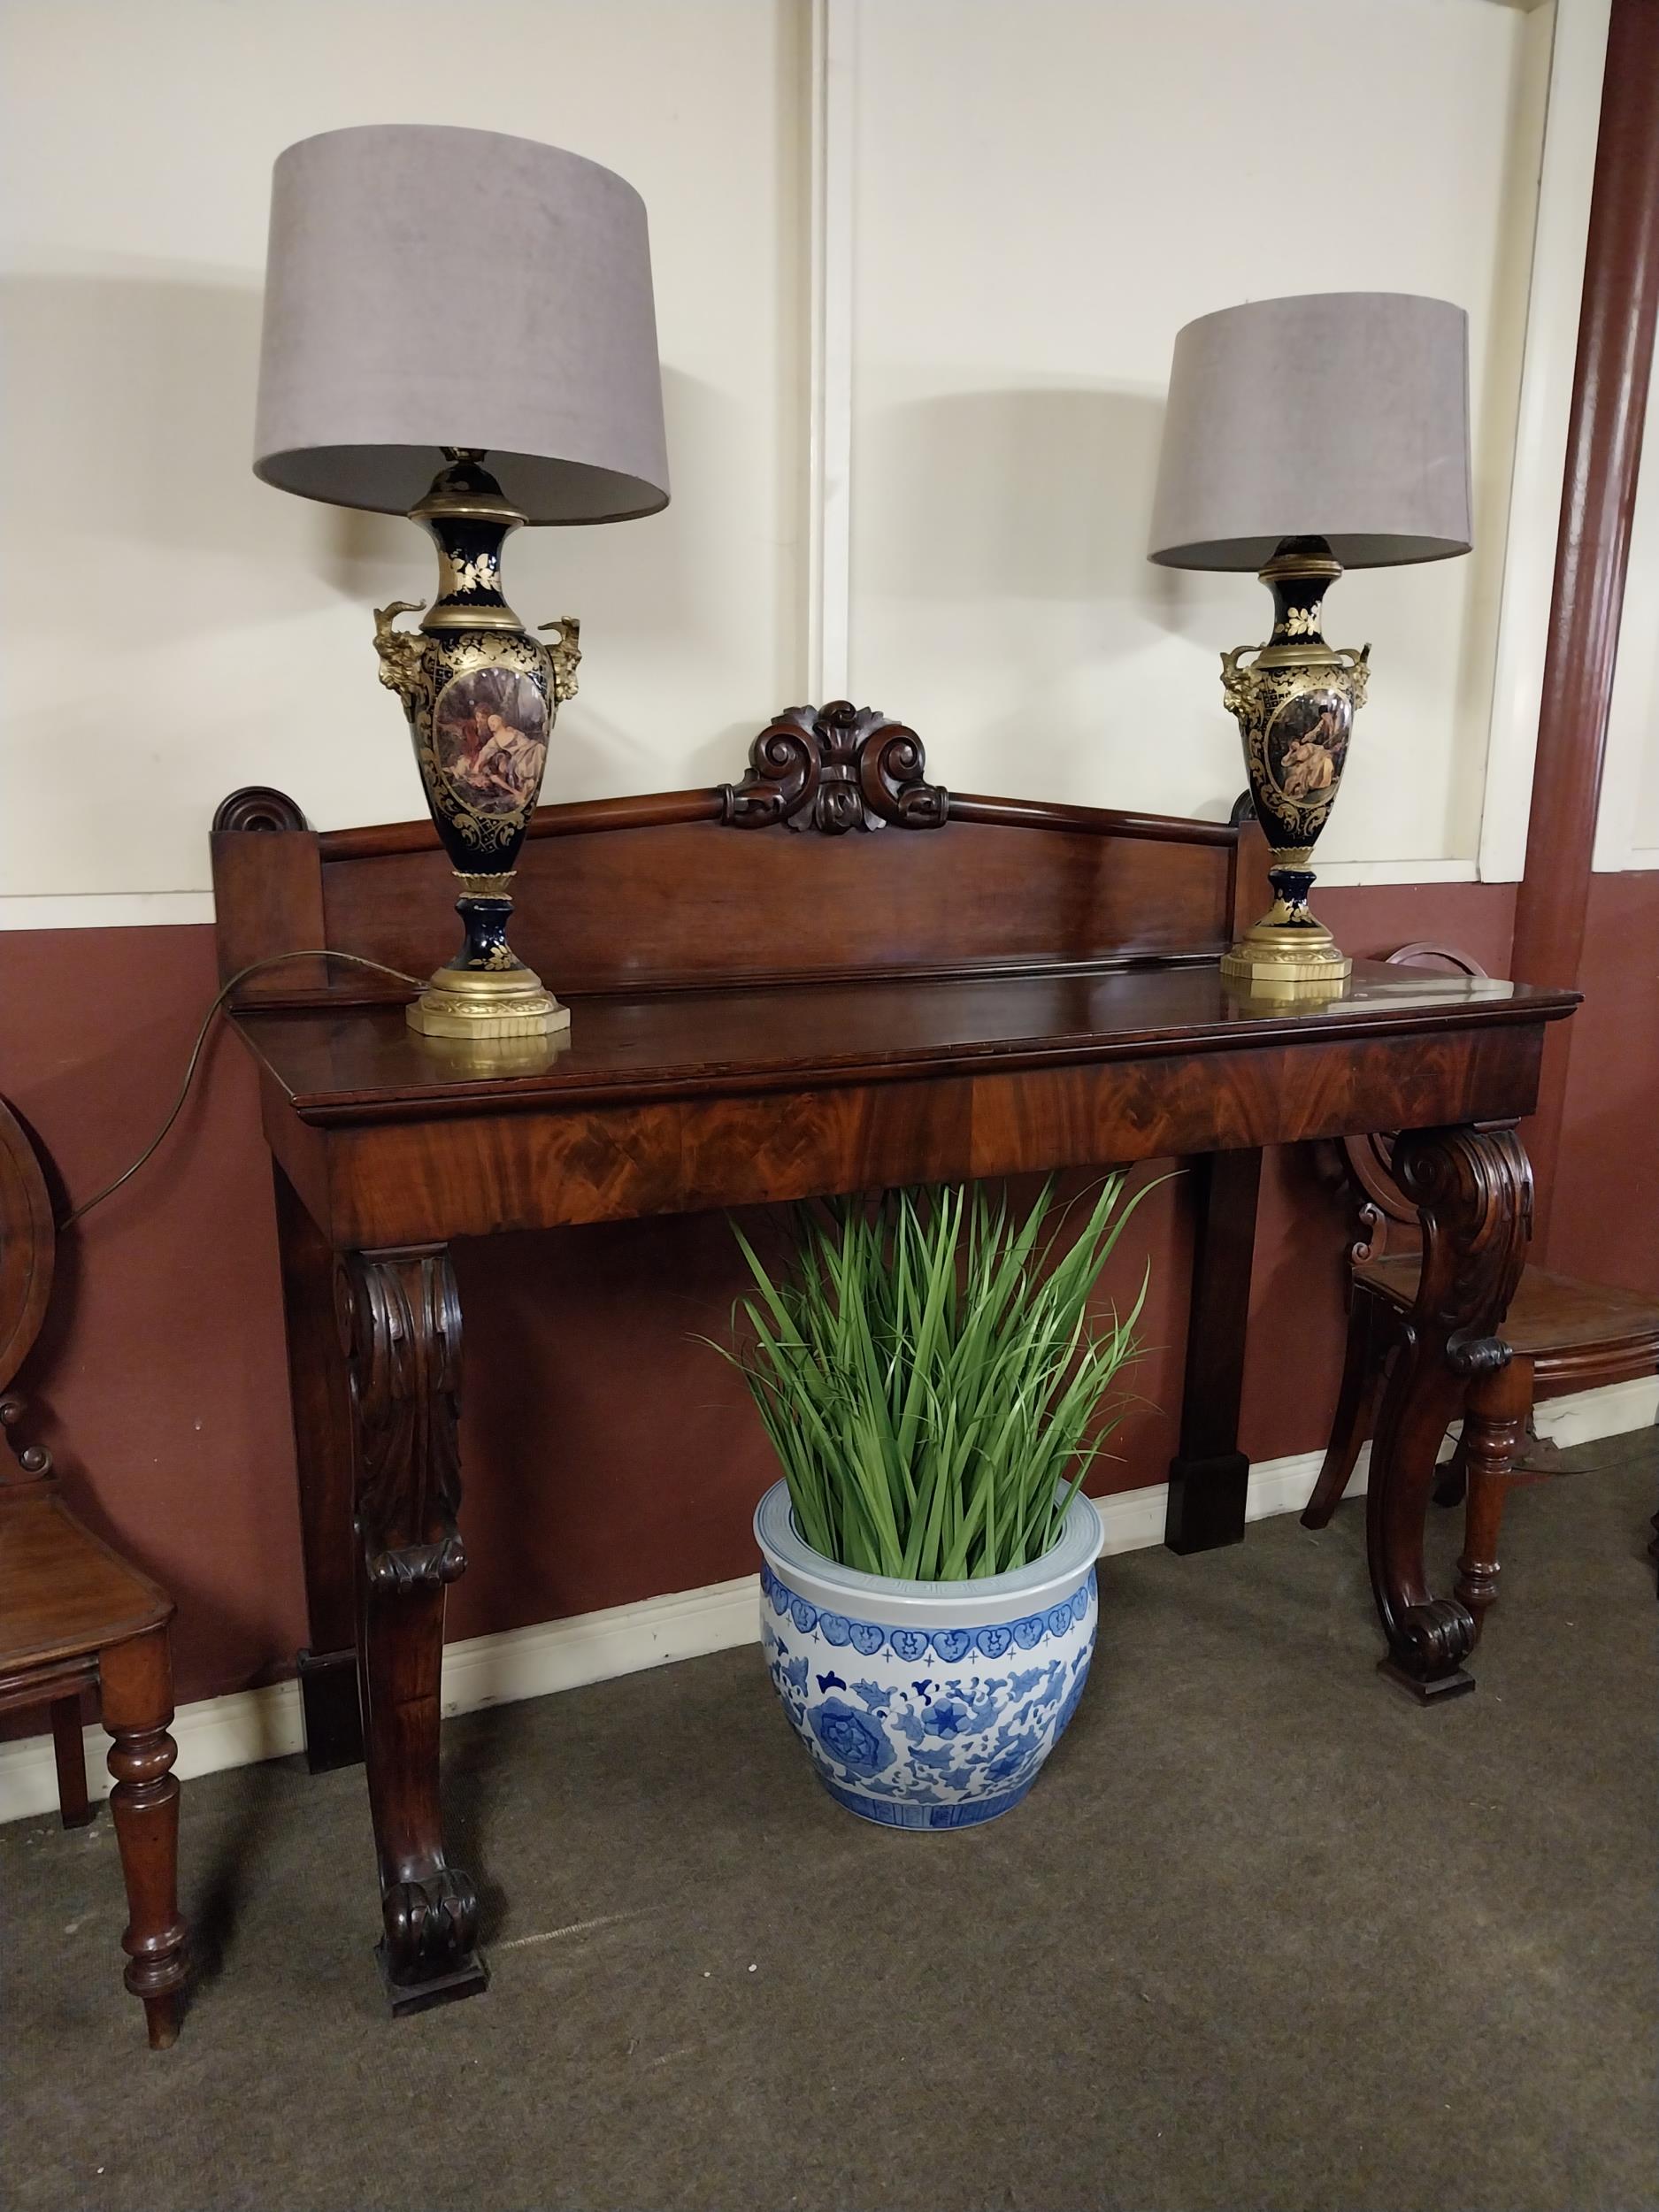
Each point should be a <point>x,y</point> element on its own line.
<point>76,1620</point>
<point>1387,1217</point>
<point>28,1249</point>
<point>853,864</point>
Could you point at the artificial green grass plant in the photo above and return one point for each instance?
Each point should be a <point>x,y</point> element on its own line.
<point>931,1376</point>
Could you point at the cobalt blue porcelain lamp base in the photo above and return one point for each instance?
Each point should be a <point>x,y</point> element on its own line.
<point>480,694</point>
<point>926,1704</point>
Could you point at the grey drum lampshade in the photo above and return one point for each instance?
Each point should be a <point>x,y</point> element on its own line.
<point>429,286</point>
<point>1338,415</point>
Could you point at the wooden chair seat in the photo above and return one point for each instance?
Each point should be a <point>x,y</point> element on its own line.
<point>63,1593</point>
<point>1556,1321</point>
<point>1561,1333</point>
<point>76,1621</point>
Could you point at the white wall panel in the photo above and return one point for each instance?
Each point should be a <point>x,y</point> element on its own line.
<point>1577,34</point>
<point>177,628</point>
<point>1016,207</point>
<point>1043,197</point>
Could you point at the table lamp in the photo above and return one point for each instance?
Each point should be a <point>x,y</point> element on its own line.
<point>1305,436</point>
<point>458,327</point>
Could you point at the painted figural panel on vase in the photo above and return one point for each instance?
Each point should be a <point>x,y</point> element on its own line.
<point>1296,725</point>
<point>1305,749</point>
<point>490,741</point>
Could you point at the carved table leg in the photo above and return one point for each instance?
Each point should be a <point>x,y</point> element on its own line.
<point>1473,1190</point>
<point>1494,1437</point>
<point>135,1681</point>
<point>400,1321</point>
<point>1210,1476</point>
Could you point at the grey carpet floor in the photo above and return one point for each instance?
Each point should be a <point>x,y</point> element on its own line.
<point>1265,1935</point>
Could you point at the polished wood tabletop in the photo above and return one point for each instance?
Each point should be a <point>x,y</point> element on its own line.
<point>366,1063</point>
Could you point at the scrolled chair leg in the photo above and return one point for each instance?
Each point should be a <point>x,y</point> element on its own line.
<point>1368,1339</point>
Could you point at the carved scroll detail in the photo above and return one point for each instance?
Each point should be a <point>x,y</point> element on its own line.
<point>1473,1189</point>
<point>430,1923</point>
<point>258,807</point>
<point>833,769</point>
<point>33,1459</point>
<point>400,1328</point>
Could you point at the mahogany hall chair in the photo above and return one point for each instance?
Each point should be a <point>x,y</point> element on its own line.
<point>1561,1333</point>
<point>75,1617</point>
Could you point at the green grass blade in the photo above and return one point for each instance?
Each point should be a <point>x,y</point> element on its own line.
<point>930,1375</point>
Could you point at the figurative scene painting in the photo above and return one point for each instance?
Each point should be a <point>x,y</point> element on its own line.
<point>490,737</point>
<point>1307,745</point>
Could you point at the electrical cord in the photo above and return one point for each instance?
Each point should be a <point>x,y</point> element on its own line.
<point>272,960</point>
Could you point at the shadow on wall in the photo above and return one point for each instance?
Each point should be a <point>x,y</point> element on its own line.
<point>1023,495</point>
<point>1032,508</point>
<point>136,488</point>
<point>140,395</point>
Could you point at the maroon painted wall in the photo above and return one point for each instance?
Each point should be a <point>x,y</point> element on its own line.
<point>610,1455</point>
<point>1606,1224</point>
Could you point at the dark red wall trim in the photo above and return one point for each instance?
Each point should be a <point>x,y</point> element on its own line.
<point>1609,399</point>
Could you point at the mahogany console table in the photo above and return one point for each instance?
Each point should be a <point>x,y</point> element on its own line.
<point>878,983</point>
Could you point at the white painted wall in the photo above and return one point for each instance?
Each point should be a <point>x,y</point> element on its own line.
<point>176,628</point>
<point>919,264</point>
<point>1044,196</point>
<point>1571,125</point>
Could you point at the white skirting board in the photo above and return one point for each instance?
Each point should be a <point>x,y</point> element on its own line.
<point>253,1724</point>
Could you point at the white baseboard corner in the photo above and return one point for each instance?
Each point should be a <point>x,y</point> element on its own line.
<point>1586,1416</point>
<point>254,1724</point>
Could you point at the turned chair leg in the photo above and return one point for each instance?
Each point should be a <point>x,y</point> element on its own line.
<point>137,1685</point>
<point>1356,1406</point>
<point>74,1806</point>
<point>1494,1435</point>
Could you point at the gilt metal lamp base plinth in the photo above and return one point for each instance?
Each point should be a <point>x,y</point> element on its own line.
<point>1267,974</point>
<point>460,1003</point>
<point>1289,953</point>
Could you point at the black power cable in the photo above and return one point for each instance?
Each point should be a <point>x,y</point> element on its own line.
<point>272,960</point>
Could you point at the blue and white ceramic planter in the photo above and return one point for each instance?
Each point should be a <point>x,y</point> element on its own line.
<point>926,1704</point>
